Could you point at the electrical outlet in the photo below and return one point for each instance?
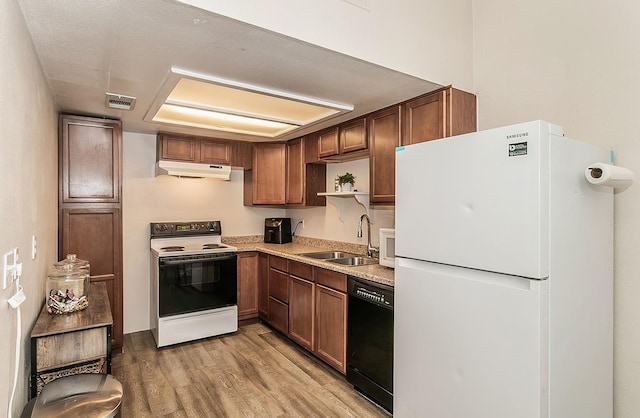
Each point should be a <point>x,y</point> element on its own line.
<point>8,261</point>
<point>34,247</point>
<point>302,224</point>
<point>9,267</point>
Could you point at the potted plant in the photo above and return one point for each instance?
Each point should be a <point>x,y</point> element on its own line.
<point>346,181</point>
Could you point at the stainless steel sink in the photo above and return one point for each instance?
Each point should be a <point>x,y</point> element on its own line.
<point>327,255</point>
<point>354,261</point>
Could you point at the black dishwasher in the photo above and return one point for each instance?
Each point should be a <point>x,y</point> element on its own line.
<point>370,340</point>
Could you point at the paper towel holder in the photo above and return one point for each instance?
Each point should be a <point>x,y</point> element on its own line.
<point>608,175</point>
<point>595,172</point>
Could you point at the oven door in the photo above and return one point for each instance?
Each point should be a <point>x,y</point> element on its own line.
<point>196,283</point>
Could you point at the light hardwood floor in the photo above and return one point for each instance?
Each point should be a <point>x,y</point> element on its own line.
<point>255,372</point>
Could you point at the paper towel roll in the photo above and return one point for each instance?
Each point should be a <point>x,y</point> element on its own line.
<point>608,175</point>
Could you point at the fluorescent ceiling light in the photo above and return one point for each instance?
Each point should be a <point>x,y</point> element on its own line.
<point>199,118</point>
<point>202,101</point>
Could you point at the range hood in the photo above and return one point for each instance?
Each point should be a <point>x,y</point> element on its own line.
<point>186,169</point>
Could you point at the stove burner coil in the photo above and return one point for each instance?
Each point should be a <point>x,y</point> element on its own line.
<point>211,246</point>
<point>173,248</point>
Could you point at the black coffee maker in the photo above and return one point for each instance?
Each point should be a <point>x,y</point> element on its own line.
<point>277,230</point>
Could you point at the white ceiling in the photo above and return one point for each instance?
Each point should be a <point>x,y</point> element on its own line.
<point>89,48</point>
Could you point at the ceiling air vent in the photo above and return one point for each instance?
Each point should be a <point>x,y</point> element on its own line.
<point>118,101</point>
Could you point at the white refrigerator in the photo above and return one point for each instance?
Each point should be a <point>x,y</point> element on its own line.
<point>503,277</point>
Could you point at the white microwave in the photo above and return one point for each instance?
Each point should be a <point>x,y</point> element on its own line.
<point>387,247</point>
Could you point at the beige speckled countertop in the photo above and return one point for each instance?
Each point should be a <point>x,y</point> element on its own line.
<point>374,272</point>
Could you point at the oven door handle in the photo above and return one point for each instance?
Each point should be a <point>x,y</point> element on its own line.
<point>196,260</point>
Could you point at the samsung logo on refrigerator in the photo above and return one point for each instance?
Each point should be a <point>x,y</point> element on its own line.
<point>517,149</point>
<point>520,135</point>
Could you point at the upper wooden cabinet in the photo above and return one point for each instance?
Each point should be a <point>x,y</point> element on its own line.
<point>440,114</point>
<point>242,154</point>
<point>203,150</point>
<point>215,152</point>
<point>424,119</point>
<point>304,180</point>
<point>280,176</point>
<point>436,115</point>
<point>295,172</point>
<point>384,137</point>
<point>347,141</point>
<point>179,148</point>
<point>90,158</point>
<point>328,142</point>
<point>268,174</point>
<point>353,135</point>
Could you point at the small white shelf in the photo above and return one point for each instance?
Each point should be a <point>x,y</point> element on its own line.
<point>361,197</point>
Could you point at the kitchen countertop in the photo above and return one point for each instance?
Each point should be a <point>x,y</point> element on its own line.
<point>374,272</point>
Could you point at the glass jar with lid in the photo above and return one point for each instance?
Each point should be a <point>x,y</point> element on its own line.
<point>75,262</point>
<point>67,289</point>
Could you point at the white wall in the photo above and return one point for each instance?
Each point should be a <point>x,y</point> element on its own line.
<point>430,39</point>
<point>147,198</point>
<point>323,222</point>
<point>575,64</point>
<point>28,194</point>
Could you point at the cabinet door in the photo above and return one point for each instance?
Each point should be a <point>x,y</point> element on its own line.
<point>95,235</point>
<point>263,286</point>
<point>331,327</point>
<point>328,142</point>
<point>384,137</point>
<point>242,154</point>
<point>353,136</point>
<point>269,174</point>
<point>295,172</point>
<point>279,315</point>
<point>461,112</point>
<point>215,152</point>
<point>90,156</point>
<point>279,285</point>
<point>247,285</point>
<point>301,311</point>
<point>424,119</point>
<point>179,148</point>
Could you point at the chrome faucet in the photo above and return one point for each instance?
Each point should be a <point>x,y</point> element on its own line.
<point>370,248</point>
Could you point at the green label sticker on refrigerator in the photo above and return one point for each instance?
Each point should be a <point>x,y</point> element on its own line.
<point>398,149</point>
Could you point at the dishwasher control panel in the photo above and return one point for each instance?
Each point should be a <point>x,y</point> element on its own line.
<point>370,291</point>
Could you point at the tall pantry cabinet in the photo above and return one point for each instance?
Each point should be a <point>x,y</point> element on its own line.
<point>90,203</point>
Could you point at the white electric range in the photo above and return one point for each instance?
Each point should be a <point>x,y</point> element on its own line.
<point>193,282</point>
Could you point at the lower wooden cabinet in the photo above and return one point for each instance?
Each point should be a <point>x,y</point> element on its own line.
<point>301,311</point>
<point>306,303</point>
<point>278,285</point>
<point>263,286</point>
<point>279,315</point>
<point>331,327</point>
<point>248,285</point>
<point>95,234</point>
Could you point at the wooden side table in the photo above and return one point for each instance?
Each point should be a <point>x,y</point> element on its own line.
<point>72,343</point>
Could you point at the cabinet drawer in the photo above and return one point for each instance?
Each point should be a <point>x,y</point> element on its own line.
<point>302,270</point>
<point>278,263</point>
<point>279,315</point>
<point>278,285</point>
<point>330,279</point>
